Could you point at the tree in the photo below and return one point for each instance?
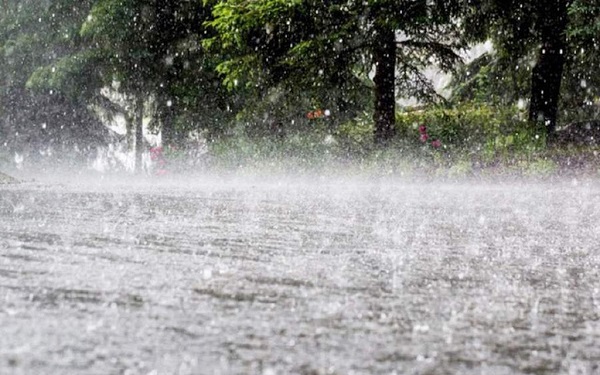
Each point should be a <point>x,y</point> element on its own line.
<point>547,73</point>
<point>34,34</point>
<point>153,48</point>
<point>148,53</point>
<point>557,37</point>
<point>135,41</point>
<point>315,44</point>
<point>581,87</point>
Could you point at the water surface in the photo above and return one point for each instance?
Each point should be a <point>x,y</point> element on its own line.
<point>299,276</point>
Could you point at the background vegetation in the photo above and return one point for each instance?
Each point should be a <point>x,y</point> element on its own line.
<point>305,80</point>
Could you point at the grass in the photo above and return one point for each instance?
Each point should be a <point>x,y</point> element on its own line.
<point>326,154</point>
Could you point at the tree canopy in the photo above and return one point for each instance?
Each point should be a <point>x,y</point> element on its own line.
<point>338,47</point>
<point>35,34</point>
<point>545,52</point>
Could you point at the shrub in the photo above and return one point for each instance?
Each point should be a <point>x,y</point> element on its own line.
<point>471,128</point>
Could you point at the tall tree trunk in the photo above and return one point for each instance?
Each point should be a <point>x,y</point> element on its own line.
<point>139,132</point>
<point>385,78</point>
<point>166,20</point>
<point>129,131</point>
<point>547,73</point>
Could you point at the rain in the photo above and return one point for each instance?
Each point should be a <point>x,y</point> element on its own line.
<point>299,187</point>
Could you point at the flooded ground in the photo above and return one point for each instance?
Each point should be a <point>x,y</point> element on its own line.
<point>299,276</point>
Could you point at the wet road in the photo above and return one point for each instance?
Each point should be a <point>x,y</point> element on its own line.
<point>283,276</point>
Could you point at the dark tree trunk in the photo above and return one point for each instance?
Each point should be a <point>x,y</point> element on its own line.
<point>129,131</point>
<point>139,132</point>
<point>385,78</point>
<point>547,73</point>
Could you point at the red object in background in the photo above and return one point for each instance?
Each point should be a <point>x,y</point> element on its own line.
<point>318,113</point>
<point>436,143</point>
<point>156,155</point>
<point>423,131</point>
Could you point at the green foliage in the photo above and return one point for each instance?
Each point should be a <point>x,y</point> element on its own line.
<point>309,151</point>
<point>472,136</point>
<point>515,28</point>
<point>358,132</point>
<point>502,76</point>
<point>122,29</point>
<point>581,89</point>
<point>154,49</point>
<point>325,50</point>
<point>264,42</point>
<point>492,78</point>
<point>472,129</point>
<point>76,76</point>
<point>35,35</point>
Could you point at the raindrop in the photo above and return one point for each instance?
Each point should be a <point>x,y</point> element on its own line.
<point>421,328</point>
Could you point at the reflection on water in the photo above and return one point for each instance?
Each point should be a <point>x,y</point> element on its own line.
<point>308,277</point>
